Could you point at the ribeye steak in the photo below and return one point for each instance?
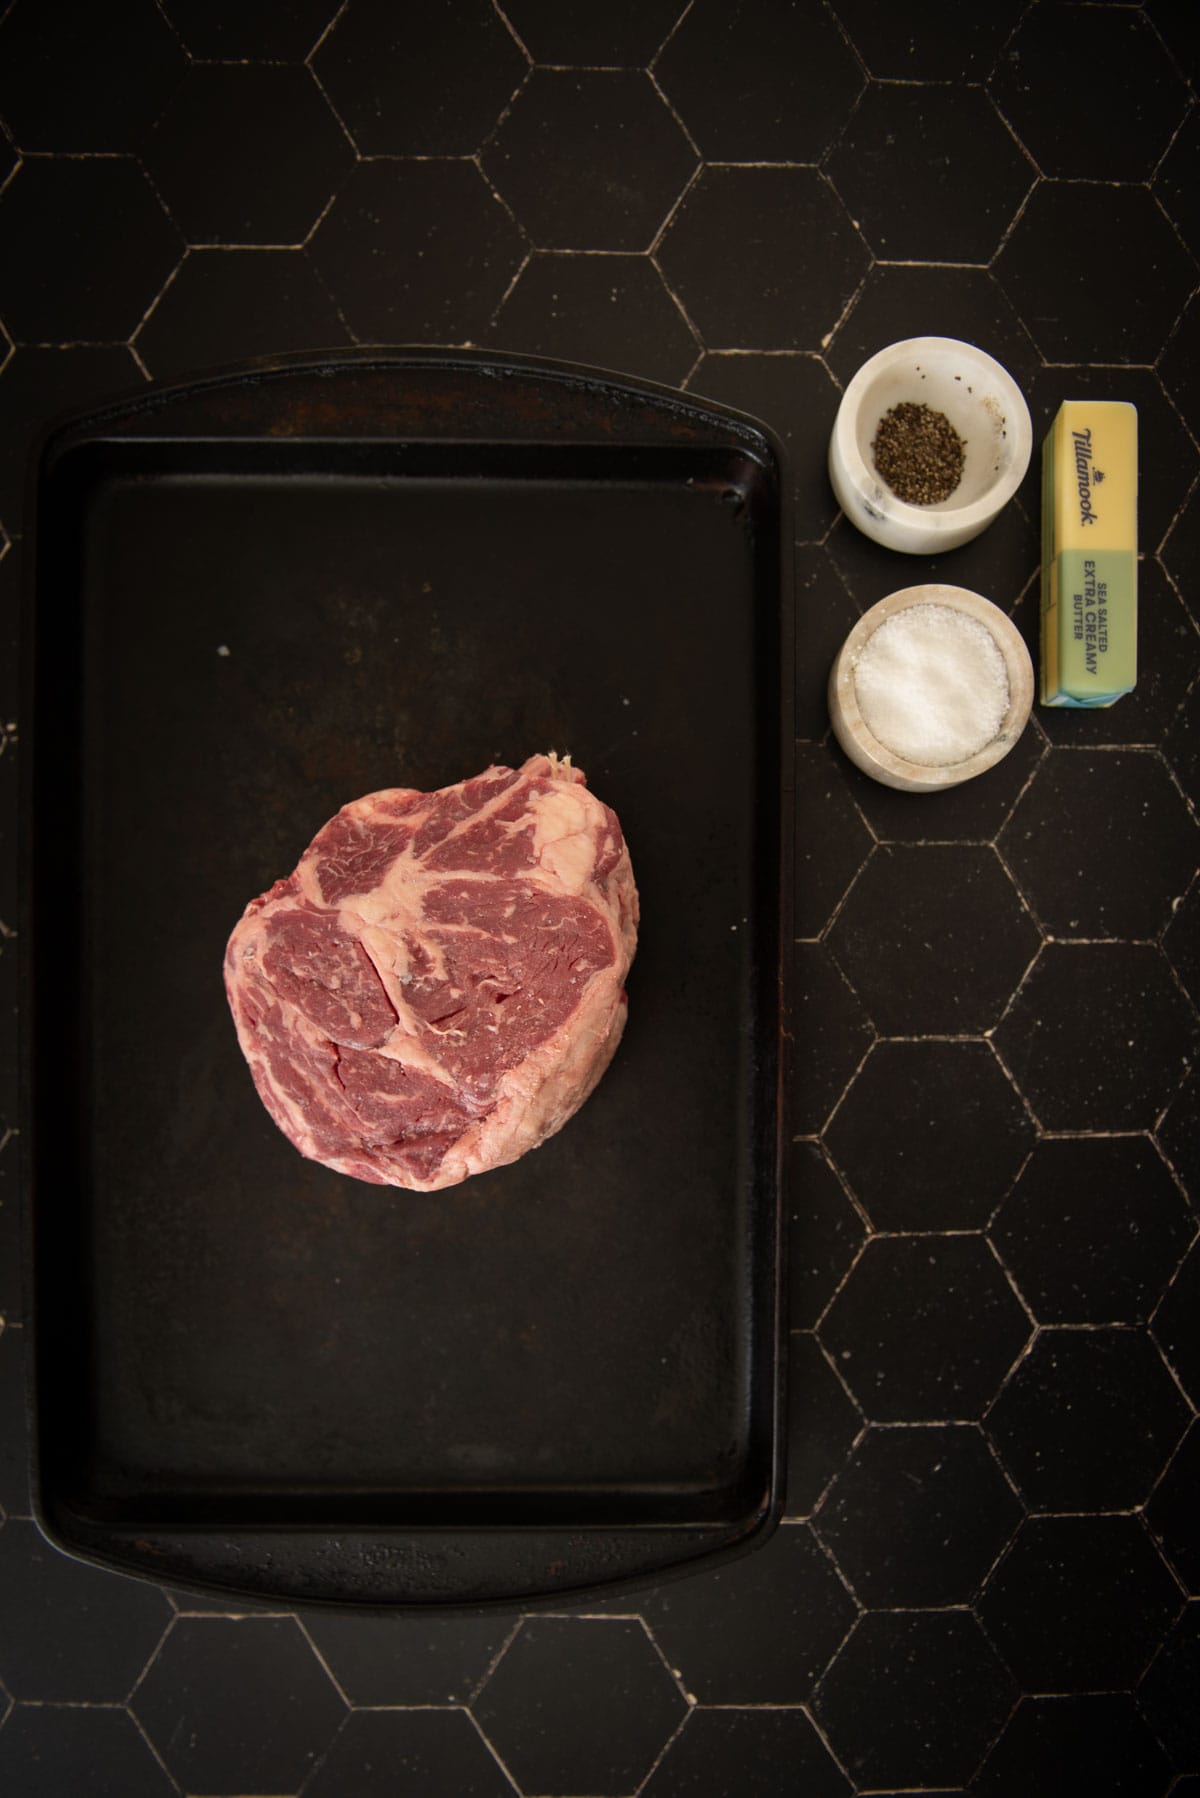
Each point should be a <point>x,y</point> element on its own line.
<point>441,983</point>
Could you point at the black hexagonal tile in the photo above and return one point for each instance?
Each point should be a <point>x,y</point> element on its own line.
<point>1079,1604</point>
<point>1065,67</point>
<point>1179,552</point>
<point>85,78</point>
<point>761,1629</point>
<point>1179,366</point>
<point>832,1036</point>
<point>408,1754</point>
<point>925,1328</point>
<point>94,1631</point>
<point>579,1704</point>
<point>589,159</point>
<point>1181,941</point>
<point>233,30</point>
<point>45,1748</point>
<point>918,1516</point>
<point>226,306</point>
<point>1176,1323</point>
<point>1179,1135</point>
<point>1102,1738</point>
<point>930,1135</point>
<point>1165,446</point>
<point>1181,746</point>
<point>389,1660</point>
<point>907,939</point>
<point>425,82</point>
<point>736,254</point>
<point>898,167</point>
<point>825,614</point>
<point>247,153</point>
<point>1101,843</point>
<point>1174,1507</point>
<point>14,1400</point>
<point>1167,1694</point>
<point>1099,1036</point>
<point>832,842</point>
<point>939,41</point>
<point>1093,1229</point>
<point>37,385</point>
<point>1047,270</point>
<point>1177,182</point>
<point>624,33</point>
<point>755,1753</point>
<point>238,1704</point>
<point>606,311</point>
<point>111,251</point>
<point>822,1424</point>
<point>1168,655</point>
<point>1088,1420</point>
<point>938,1697</point>
<point>824,1235</point>
<point>794,395</point>
<point>417,251</point>
<point>753,91</point>
<point>899,300</point>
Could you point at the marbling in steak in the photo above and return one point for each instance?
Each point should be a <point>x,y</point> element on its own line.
<point>441,983</point>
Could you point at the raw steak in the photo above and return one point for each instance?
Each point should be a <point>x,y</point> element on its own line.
<point>441,983</point>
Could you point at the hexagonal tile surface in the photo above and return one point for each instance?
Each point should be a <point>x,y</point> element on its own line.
<point>230,30</point>
<point>589,159</point>
<point>1181,942</point>
<point>1176,1323</point>
<point>113,249</point>
<point>794,395</point>
<point>1179,365</point>
<point>607,311</point>
<point>907,939</point>
<point>1177,182</point>
<point>1106,53</point>
<point>1045,268</point>
<point>226,306</point>
<point>925,1328</point>
<point>749,94</point>
<point>1180,551</point>
<point>918,1515</point>
<point>1173,1508</point>
<point>238,1704</point>
<point>1122,875</point>
<point>379,1659</point>
<point>98,1629</point>
<point>579,1703</point>
<point>80,78</point>
<point>625,33</point>
<point>938,1697</point>
<point>429,82</point>
<point>833,1039</point>
<point>1167,1693</point>
<point>408,1754</point>
<point>755,1753</point>
<point>1104,1740</point>
<point>416,251</point>
<point>758,1630</point>
<point>832,842</point>
<point>941,41</point>
<point>1071,1037</point>
<point>822,1424</point>
<point>898,301</point>
<point>735,254</point>
<point>1179,1135</point>
<point>14,1399</point>
<point>897,167</point>
<point>35,386</point>
<point>1181,746</point>
<point>825,613</point>
<point>1088,1420</point>
<point>824,1235</point>
<point>45,1747</point>
<point>929,1135</point>
<point>1079,1604</point>
<point>1076,1200</point>
<point>247,153</point>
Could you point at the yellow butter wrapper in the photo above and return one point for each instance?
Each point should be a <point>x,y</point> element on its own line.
<point>1089,554</point>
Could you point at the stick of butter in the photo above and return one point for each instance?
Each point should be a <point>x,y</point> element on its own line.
<point>1089,554</point>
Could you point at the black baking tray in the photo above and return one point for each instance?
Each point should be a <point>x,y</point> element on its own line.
<point>254,597</point>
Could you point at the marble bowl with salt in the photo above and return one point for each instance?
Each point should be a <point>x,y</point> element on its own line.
<point>932,686</point>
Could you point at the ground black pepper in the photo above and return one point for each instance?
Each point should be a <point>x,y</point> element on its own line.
<point>918,453</point>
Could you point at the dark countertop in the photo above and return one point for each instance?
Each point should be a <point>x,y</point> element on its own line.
<point>988,1578</point>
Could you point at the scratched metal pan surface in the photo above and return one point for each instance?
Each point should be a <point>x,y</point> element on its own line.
<point>253,598</point>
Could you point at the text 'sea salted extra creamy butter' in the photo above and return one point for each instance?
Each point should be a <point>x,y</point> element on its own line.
<point>1089,554</point>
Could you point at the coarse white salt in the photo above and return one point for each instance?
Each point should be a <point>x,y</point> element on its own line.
<point>932,685</point>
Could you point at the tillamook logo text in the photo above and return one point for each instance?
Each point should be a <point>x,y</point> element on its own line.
<point>1087,478</point>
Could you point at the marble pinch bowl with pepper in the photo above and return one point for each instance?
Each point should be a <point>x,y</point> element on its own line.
<point>987,410</point>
